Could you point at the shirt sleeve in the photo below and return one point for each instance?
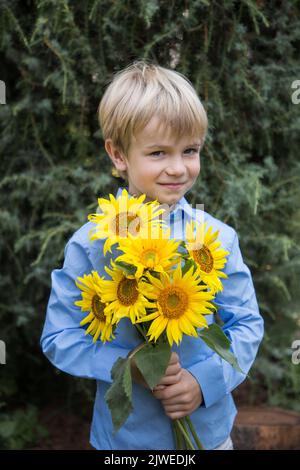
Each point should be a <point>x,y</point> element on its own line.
<point>63,341</point>
<point>243,325</point>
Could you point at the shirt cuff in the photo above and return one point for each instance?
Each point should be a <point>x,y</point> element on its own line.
<point>209,375</point>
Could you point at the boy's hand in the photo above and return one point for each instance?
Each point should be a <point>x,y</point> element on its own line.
<point>172,374</point>
<point>178,390</point>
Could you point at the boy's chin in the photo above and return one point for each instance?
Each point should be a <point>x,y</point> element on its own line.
<point>170,201</point>
<point>164,198</point>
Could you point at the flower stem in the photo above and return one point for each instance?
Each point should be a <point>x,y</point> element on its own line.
<point>194,434</point>
<point>182,420</point>
<point>176,435</point>
<point>141,332</point>
<point>185,435</point>
<point>181,439</point>
<point>140,346</point>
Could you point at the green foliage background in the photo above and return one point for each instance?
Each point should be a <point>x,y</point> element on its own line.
<point>56,59</point>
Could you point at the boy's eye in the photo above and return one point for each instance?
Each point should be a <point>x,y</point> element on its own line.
<point>188,150</point>
<point>156,153</point>
<point>192,150</point>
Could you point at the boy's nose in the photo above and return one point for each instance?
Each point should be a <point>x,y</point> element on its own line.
<point>176,167</point>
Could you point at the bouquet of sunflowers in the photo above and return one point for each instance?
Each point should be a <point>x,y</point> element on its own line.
<point>164,286</point>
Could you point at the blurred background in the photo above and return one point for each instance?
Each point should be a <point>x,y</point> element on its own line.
<point>56,60</point>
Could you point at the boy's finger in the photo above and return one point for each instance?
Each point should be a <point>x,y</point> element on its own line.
<point>174,358</point>
<point>173,369</point>
<point>169,393</point>
<point>158,387</point>
<point>170,379</point>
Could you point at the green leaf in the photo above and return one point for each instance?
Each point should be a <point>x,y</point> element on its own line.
<point>216,339</point>
<point>119,395</point>
<point>152,362</point>
<point>215,305</point>
<point>128,269</point>
<point>188,264</point>
<point>153,273</point>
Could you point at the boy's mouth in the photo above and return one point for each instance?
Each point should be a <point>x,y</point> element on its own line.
<point>172,185</point>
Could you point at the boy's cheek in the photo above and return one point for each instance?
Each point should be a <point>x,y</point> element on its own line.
<point>195,170</point>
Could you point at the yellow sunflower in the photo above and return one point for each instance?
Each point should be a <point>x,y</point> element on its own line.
<point>125,295</point>
<point>181,304</point>
<point>203,248</point>
<point>100,323</point>
<point>158,254</point>
<point>124,215</point>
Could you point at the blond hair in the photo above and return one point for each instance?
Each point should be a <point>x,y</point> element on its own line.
<point>143,90</point>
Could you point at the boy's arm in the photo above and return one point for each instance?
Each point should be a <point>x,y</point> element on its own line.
<point>63,341</point>
<point>243,325</point>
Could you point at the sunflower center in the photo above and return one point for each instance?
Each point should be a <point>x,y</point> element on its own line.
<point>150,258</point>
<point>124,222</point>
<point>204,258</point>
<point>127,291</point>
<point>98,308</point>
<point>173,302</point>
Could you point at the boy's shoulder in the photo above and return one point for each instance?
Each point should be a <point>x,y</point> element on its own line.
<point>81,237</point>
<point>227,233</point>
<point>81,234</point>
<point>211,220</point>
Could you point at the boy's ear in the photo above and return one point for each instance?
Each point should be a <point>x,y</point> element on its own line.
<point>116,156</point>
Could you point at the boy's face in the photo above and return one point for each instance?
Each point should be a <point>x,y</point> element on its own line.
<point>159,166</point>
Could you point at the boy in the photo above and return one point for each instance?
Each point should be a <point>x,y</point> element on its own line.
<point>154,127</point>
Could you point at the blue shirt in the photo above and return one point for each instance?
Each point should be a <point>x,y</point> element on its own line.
<point>65,344</point>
